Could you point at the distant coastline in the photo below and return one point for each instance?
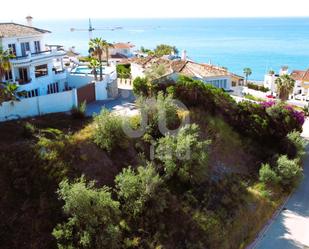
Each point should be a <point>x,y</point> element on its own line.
<point>259,43</point>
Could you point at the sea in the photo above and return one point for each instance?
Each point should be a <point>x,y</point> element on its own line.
<point>261,44</point>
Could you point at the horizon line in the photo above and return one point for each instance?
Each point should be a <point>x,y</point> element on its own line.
<point>185,17</point>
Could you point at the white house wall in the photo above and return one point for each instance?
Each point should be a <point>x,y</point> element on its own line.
<point>79,80</point>
<point>42,82</point>
<point>101,90</point>
<point>137,71</point>
<point>18,40</point>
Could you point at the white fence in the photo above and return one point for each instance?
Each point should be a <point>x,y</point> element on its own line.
<point>125,83</point>
<point>52,103</point>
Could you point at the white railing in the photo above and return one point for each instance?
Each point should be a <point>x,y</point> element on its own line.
<point>125,83</point>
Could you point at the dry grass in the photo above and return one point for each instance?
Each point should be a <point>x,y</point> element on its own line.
<point>263,204</point>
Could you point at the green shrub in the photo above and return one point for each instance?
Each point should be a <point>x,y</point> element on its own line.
<point>251,97</point>
<point>267,175</point>
<point>257,87</point>
<point>184,156</point>
<point>164,49</point>
<point>300,144</point>
<point>123,71</point>
<point>93,217</point>
<point>140,86</point>
<point>156,110</point>
<point>135,189</point>
<point>28,130</point>
<point>108,132</point>
<point>79,112</point>
<point>289,171</point>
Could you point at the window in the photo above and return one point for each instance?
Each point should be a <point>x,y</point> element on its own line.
<point>224,84</point>
<point>53,88</point>
<point>25,47</point>
<point>23,75</point>
<point>32,93</point>
<point>37,47</point>
<point>12,48</point>
<point>41,70</point>
<point>8,75</point>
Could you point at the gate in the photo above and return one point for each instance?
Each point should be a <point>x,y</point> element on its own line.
<point>86,93</point>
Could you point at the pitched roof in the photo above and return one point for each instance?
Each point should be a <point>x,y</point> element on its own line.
<point>306,76</point>
<point>298,74</point>
<point>122,45</point>
<point>188,67</point>
<point>16,30</point>
<point>118,56</point>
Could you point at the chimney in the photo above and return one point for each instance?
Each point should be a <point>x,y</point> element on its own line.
<point>184,55</point>
<point>29,20</point>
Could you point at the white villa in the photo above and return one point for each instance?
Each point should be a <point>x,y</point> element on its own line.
<point>271,76</point>
<point>301,78</point>
<point>37,70</point>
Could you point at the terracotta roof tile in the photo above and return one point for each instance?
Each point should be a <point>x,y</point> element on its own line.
<point>306,76</point>
<point>188,68</point>
<point>122,45</point>
<point>297,74</point>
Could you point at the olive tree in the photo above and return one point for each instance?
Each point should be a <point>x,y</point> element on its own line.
<point>92,217</point>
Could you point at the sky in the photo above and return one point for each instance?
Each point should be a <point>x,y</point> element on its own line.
<point>67,9</point>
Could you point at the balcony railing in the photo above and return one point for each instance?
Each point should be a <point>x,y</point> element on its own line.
<point>37,54</point>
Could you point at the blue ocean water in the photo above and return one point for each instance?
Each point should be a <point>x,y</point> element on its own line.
<point>236,43</point>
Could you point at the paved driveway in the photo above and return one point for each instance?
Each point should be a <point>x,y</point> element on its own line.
<point>290,230</point>
<point>121,105</point>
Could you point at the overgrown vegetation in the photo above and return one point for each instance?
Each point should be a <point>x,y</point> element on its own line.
<point>123,71</point>
<point>79,112</point>
<point>257,87</point>
<point>212,184</point>
<point>108,132</point>
<point>160,50</point>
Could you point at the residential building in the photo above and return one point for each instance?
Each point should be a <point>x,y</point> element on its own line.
<point>211,74</point>
<point>122,48</point>
<point>120,51</point>
<point>271,76</point>
<point>301,78</point>
<point>36,69</point>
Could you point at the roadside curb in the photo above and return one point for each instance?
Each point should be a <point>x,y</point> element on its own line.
<point>266,227</point>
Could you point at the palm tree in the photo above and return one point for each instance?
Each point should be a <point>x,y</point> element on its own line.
<point>5,64</point>
<point>96,48</point>
<point>9,92</point>
<point>94,64</point>
<point>285,85</point>
<point>107,46</point>
<point>247,73</point>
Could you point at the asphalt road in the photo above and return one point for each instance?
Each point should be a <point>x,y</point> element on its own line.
<point>290,229</point>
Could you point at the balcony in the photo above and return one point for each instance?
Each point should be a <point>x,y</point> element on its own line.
<point>23,81</point>
<point>30,57</point>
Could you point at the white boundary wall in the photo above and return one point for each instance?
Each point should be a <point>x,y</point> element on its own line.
<point>100,90</point>
<point>52,103</point>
